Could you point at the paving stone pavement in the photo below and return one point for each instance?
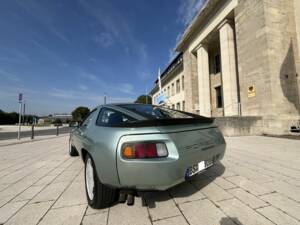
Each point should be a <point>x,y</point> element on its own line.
<point>258,182</point>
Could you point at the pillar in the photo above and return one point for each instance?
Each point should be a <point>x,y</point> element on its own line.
<point>203,81</point>
<point>229,73</point>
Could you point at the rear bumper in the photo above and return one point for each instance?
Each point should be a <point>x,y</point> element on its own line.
<point>162,174</point>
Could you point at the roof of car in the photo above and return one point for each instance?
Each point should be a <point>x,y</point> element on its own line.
<point>121,104</point>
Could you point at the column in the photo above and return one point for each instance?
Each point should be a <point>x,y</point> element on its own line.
<point>203,81</point>
<point>229,73</point>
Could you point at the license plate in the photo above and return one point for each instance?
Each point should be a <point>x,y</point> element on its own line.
<point>191,171</point>
<point>209,163</point>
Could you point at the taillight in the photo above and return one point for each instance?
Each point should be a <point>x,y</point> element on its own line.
<point>147,150</point>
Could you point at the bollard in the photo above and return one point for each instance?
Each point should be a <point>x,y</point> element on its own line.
<point>32,131</point>
<point>57,133</point>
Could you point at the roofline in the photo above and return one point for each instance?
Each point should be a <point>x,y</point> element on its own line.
<point>175,62</point>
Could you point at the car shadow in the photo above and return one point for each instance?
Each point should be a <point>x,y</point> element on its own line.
<point>230,221</point>
<point>190,187</point>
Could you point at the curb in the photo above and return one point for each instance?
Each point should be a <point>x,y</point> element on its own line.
<point>34,140</point>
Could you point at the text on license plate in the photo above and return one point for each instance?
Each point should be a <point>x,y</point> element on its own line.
<point>197,168</point>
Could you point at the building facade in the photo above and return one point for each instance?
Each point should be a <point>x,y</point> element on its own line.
<point>241,58</point>
<point>172,94</point>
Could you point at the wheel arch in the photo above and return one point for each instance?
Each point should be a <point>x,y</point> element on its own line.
<point>84,153</point>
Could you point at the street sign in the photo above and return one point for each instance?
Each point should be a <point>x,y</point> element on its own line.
<point>20,97</point>
<point>251,92</point>
<point>161,99</point>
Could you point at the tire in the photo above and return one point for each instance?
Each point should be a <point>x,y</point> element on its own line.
<point>72,150</point>
<point>99,196</point>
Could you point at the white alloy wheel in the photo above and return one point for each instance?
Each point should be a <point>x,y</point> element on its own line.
<point>89,178</point>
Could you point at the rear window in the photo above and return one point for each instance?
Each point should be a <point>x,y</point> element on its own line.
<point>111,118</point>
<point>156,112</point>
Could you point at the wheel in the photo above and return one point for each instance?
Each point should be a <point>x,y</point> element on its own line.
<point>98,195</point>
<point>72,150</point>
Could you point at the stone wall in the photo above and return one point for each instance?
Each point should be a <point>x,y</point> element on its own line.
<point>240,126</point>
<point>268,58</point>
<point>253,69</point>
<point>297,21</point>
<point>283,57</point>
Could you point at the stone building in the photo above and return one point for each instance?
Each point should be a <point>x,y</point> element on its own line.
<point>241,59</point>
<point>173,89</point>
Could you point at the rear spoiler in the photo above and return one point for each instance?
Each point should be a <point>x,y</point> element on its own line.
<point>166,122</point>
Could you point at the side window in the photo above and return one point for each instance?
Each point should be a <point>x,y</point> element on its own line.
<point>88,119</point>
<point>110,118</point>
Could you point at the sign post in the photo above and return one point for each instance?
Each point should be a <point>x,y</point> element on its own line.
<point>20,114</point>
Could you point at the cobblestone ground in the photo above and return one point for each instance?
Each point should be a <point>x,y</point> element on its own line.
<point>258,182</point>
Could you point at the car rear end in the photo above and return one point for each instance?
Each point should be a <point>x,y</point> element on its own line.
<point>192,147</point>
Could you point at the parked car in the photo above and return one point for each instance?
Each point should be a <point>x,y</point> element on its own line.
<point>129,147</point>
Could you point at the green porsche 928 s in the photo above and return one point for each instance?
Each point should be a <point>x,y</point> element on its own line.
<point>133,147</point>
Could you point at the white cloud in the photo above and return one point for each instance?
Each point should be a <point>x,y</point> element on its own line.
<point>115,26</point>
<point>144,75</point>
<point>9,76</point>
<point>41,13</point>
<point>73,95</point>
<point>142,51</point>
<point>108,87</point>
<point>82,87</point>
<point>51,53</point>
<point>89,98</point>
<point>188,9</point>
<point>89,76</point>
<point>126,88</point>
<point>104,39</point>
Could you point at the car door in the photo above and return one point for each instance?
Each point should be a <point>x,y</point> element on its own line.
<point>82,139</point>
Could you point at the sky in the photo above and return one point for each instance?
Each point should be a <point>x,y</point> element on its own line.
<point>64,54</point>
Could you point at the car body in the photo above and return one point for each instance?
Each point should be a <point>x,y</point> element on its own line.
<point>191,142</point>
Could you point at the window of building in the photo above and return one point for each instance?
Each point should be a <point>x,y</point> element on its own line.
<point>183,106</point>
<point>177,86</point>
<point>178,106</point>
<point>182,82</point>
<point>172,90</point>
<point>168,91</point>
<point>219,97</point>
<point>173,106</point>
<point>217,65</point>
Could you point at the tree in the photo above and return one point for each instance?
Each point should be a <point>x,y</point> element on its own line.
<point>57,122</point>
<point>8,118</point>
<point>144,99</point>
<point>80,113</point>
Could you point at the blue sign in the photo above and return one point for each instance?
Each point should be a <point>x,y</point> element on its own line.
<point>20,97</point>
<point>161,99</point>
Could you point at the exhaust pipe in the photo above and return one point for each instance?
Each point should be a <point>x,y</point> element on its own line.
<point>130,199</point>
<point>122,197</point>
<point>128,196</point>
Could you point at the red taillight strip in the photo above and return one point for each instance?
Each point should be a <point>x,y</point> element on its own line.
<point>144,150</point>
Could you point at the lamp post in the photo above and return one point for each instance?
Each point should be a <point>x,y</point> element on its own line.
<point>104,98</point>
<point>20,114</point>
